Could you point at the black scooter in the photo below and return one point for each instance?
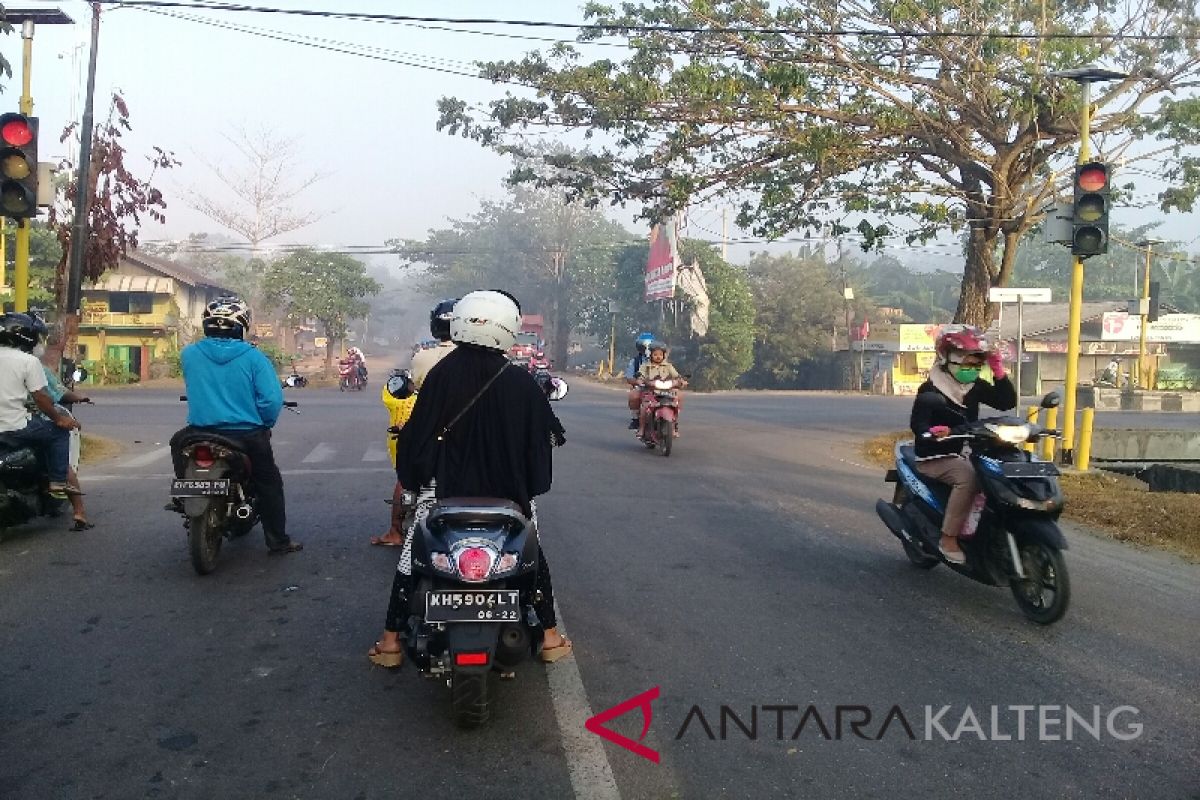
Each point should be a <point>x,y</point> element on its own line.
<point>1017,542</point>
<point>472,612</point>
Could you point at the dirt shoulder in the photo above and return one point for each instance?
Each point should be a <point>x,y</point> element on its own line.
<point>1116,506</point>
<point>94,449</point>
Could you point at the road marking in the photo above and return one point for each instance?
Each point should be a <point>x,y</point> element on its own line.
<point>376,452</point>
<point>146,459</point>
<point>591,775</point>
<point>322,452</point>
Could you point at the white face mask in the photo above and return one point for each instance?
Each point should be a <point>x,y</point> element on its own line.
<point>39,350</point>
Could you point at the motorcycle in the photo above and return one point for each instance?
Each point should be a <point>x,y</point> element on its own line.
<point>351,376</point>
<point>554,387</point>
<point>472,613</point>
<point>295,380</point>
<point>1017,540</point>
<point>660,404</point>
<point>25,484</point>
<point>214,495</point>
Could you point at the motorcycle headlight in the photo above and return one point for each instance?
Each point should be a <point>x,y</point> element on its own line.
<point>663,386</point>
<point>1011,434</point>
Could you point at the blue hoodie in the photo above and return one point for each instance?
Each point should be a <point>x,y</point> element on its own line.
<point>230,385</point>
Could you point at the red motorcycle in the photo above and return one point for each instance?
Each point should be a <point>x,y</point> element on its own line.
<point>660,409</point>
<point>350,375</point>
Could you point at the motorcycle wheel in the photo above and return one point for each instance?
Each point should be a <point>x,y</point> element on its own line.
<point>342,385</point>
<point>1046,573</point>
<point>666,436</point>
<point>469,697</point>
<point>204,540</point>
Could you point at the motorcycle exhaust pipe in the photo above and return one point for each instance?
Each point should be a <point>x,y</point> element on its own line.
<point>891,517</point>
<point>243,511</point>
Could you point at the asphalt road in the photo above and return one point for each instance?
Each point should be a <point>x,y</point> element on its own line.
<point>747,571</point>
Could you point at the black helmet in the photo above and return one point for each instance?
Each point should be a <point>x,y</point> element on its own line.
<point>439,320</point>
<point>400,384</point>
<point>20,330</point>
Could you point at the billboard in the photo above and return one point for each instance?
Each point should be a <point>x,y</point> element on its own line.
<point>660,266</point>
<point>1121,326</point>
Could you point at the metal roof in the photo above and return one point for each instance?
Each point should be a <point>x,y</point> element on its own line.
<point>113,282</point>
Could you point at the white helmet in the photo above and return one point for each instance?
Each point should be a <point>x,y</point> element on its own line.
<point>226,316</point>
<point>487,318</point>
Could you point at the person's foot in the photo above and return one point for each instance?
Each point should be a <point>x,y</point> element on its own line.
<point>175,505</point>
<point>633,424</point>
<point>381,655</point>
<point>291,547</point>
<point>80,524</point>
<point>389,539</point>
<point>555,648</point>
<point>950,550</point>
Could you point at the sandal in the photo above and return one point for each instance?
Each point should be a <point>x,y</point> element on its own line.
<point>81,525</point>
<point>381,541</point>
<point>385,658</point>
<point>290,547</point>
<point>552,654</point>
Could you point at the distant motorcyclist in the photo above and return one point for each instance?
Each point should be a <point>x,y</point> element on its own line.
<point>21,377</point>
<point>657,368</point>
<point>233,391</point>
<point>948,400</point>
<point>359,360</point>
<point>439,326</point>
<point>631,376</point>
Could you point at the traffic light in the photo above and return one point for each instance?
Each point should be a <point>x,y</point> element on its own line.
<point>18,166</point>
<point>1152,312</point>
<point>1089,212</point>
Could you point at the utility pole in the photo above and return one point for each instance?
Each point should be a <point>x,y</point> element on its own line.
<point>1143,374</point>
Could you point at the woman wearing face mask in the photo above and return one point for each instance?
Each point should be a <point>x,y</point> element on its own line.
<point>950,399</point>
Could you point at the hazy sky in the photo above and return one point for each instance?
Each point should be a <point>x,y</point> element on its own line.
<point>368,123</point>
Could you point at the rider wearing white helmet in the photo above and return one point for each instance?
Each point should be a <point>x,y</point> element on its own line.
<point>481,428</point>
<point>232,389</point>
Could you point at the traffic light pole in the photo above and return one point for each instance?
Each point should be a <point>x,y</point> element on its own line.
<point>1072,385</point>
<point>21,255</point>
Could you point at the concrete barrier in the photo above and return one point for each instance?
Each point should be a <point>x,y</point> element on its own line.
<point>1106,399</point>
<point>1145,445</point>
<point>1172,478</point>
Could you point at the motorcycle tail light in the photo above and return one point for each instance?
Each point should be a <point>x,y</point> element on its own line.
<point>203,456</point>
<point>474,564</point>
<point>442,562</point>
<point>471,659</point>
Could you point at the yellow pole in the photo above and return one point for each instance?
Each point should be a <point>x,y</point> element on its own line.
<point>1048,442</point>
<point>3,254</point>
<point>1085,440</point>
<point>612,345</point>
<point>1143,366</point>
<point>21,255</point>
<point>1031,416</point>
<point>1068,440</point>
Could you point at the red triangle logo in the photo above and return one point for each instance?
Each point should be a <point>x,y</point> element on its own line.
<point>642,701</point>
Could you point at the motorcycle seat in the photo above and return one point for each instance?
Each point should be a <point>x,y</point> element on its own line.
<point>194,436</point>
<point>9,443</point>
<point>476,509</point>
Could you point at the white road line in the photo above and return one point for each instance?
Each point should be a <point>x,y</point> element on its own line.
<point>322,452</point>
<point>376,452</point>
<point>147,458</point>
<point>591,776</point>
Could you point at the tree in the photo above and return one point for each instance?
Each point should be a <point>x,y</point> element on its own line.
<point>327,287</point>
<point>939,111</point>
<point>921,296</point>
<point>555,257</point>
<point>715,360</point>
<point>262,190</point>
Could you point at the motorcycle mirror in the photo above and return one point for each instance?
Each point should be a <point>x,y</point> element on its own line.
<point>79,375</point>
<point>1052,400</point>
<point>560,389</point>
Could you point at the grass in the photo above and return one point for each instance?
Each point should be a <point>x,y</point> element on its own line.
<point>93,448</point>
<point>1117,506</point>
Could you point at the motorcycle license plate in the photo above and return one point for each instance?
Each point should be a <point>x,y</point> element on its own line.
<point>483,605</point>
<point>199,487</point>
<point>1029,469</point>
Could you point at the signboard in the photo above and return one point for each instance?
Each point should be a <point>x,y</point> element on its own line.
<point>1121,326</point>
<point>1013,294</point>
<point>264,329</point>
<point>320,341</point>
<point>660,266</point>
<point>918,338</point>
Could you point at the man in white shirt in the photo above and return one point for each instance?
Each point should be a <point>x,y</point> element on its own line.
<point>439,325</point>
<point>22,376</point>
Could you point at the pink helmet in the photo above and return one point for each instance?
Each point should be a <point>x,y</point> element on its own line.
<point>963,339</point>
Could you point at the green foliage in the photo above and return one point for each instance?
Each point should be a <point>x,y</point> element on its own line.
<point>109,372</point>
<point>766,103</point>
<point>274,353</point>
<point>327,287</point>
<point>922,296</point>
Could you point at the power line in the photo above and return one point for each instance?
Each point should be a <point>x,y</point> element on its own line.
<point>625,28</point>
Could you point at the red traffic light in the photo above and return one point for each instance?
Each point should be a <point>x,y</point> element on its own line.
<point>1092,178</point>
<point>16,131</point>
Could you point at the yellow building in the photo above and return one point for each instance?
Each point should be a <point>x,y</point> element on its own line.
<point>141,311</point>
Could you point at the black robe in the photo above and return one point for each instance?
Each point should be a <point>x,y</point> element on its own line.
<point>501,447</point>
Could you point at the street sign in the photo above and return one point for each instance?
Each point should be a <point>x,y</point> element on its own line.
<point>1012,294</point>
